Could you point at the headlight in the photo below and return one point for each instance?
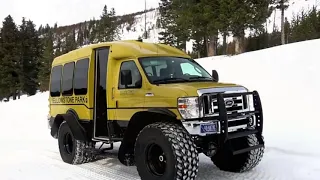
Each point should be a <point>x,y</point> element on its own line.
<point>250,103</point>
<point>189,107</point>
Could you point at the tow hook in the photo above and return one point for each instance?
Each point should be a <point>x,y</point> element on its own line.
<point>211,151</point>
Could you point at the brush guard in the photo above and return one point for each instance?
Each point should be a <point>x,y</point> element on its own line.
<point>224,117</point>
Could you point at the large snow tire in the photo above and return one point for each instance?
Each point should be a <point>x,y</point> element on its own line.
<point>225,161</point>
<point>166,151</point>
<point>74,151</point>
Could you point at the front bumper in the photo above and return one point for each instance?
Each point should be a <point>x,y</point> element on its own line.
<point>225,128</point>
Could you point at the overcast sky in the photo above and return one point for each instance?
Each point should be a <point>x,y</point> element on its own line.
<point>66,12</point>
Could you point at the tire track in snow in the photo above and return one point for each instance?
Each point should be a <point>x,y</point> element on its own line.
<point>208,170</point>
<point>98,170</point>
<point>294,153</point>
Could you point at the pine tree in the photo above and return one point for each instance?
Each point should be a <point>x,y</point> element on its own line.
<point>30,55</point>
<point>108,28</point>
<point>10,61</point>
<point>203,16</point>
<point>2,93</point>
<point>171,33</point>
<point>80,38</point>
<point>70,42</point>
<point>305,26</point>
<point>244,15</point>
<point>46,60</point>
<point>93,31</point>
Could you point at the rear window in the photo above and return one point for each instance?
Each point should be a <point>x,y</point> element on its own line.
<point>55,86</point>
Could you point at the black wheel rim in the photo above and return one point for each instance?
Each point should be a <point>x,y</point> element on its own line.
<point>68,143</point>
<point>156,160</point>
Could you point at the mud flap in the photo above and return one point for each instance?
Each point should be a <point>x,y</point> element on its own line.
<point>77,130</point>
<point>126,154</point>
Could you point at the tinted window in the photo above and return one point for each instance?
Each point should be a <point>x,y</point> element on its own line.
<point>55,86</point>
<point>103,55</point>
<point>136,76</point>
<point>67,82</point>
<point>81,77</point>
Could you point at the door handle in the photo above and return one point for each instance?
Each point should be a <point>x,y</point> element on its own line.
<point>112,93</point>
<point>149,94</point>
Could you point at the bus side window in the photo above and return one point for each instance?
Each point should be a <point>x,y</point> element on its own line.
<point>55,85</point>
<point>81,77</point>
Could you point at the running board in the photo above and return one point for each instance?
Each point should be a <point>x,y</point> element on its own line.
<point>103,139</point>
<point>247,149</point>
<point>241,134</point>
<point>99,151</point>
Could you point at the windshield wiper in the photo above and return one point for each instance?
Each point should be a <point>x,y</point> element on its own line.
<point>171,80</point>
<point>200,77</point>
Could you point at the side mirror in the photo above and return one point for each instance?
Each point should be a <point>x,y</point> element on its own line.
<point>126,77</point>
<point>215,76</point>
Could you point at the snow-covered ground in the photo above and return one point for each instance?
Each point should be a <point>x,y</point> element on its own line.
<point>286,77</point>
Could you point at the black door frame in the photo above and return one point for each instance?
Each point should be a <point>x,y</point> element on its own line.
<point>100,104</point>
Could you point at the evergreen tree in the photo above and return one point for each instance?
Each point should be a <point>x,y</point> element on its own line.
<point>203,16</point>
<point>108,26</point>
<point>46,60</point>
<point>305,26</point>
<point>2,93</point>
<point>70,42</point>
<point>93,31</point>
<point>80,38</point>
<point>30,55</point>
<point>10,61</point>
<point>172,34</point>
<point>244,15</point>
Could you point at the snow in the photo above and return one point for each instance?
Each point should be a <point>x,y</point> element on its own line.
<point>138,27</point>
<point>285,76</point>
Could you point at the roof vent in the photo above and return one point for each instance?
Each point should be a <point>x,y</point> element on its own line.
<point>146,40</point>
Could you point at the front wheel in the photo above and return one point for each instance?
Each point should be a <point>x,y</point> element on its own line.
<point>165,151</point>
<point>225,161</point>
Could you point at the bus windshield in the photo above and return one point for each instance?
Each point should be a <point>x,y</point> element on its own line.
<point>163,70</point>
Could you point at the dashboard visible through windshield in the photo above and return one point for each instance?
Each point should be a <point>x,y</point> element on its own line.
<point>163,70</point>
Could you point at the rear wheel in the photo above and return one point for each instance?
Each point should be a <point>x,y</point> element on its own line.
<point>226,161</point>
<point>73,151</point>
<point>166,151</point>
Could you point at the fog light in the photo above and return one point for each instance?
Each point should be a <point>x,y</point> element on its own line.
<point>251,121</point>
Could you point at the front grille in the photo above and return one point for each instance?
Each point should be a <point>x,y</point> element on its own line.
<point>210,105</point>
<point>239,106</point>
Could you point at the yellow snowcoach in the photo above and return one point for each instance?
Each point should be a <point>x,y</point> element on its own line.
<point>159,103</point>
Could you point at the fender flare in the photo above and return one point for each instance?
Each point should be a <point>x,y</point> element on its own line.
<point>164,111</point>
<point>136,124</point>
<point>72,120</point>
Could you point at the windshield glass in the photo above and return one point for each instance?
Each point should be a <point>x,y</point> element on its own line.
<point>162,70</point>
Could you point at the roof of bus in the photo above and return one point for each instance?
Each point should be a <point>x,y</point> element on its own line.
<point>122,49</point>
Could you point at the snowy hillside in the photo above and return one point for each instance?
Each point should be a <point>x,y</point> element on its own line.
<point>288,79</point>
<point>285,76</point>
<point>151,18</point>
<point>138,27</point>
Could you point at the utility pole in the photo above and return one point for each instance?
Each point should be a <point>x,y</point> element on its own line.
<point>282,22</point>
<point>282,6</point>
<point>145,20</point>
